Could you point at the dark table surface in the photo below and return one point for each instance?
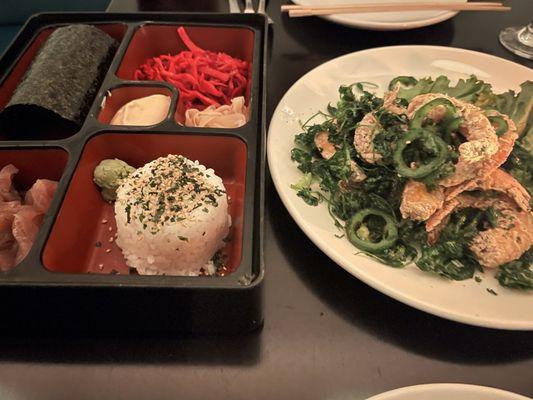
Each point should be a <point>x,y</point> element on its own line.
<point>326,335</point>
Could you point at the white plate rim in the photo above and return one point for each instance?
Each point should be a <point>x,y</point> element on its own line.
<point>399,295</point>
<point>388,26</point>
<point>452,387</point>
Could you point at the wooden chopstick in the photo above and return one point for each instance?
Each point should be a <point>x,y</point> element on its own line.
<point>287,7</point>
<point>305,11</point>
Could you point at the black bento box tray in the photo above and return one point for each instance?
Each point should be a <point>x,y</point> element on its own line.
<point>35,298</point>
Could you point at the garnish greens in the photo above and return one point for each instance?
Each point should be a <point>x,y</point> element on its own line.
<point>518,274</point>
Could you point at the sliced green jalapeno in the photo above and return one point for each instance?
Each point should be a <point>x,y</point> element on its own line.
<point>357,231</point>
<point>499,124</point>
<point>423,111</point>
<point>404,81</point>
<point>451,126</point>
<point>430,141</point>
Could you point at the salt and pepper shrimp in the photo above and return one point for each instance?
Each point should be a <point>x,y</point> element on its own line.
<point>506,139</point>
<point>328,150</point>
<point>489,176</point>
<point>507,241</point>
<point>368,127</point>
<point>389,101</point>
<point>363,140</point>
<point>499,181</point>
<point>481,140</point>
<point>324,146</point>
<point>418,203</point>
<point>480,154</point>
<point>479,157</point>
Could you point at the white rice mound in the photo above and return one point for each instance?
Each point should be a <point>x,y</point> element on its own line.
<point>172,217</point>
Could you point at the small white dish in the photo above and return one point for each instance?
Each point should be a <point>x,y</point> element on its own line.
<point>446,391</point>
<point>384,21</point>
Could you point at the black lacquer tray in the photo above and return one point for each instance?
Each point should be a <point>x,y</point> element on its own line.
<point>68,283</point>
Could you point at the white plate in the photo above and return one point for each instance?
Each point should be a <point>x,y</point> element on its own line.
<point>465,301</point>
<point>446,391</point>
<point>384,21</point>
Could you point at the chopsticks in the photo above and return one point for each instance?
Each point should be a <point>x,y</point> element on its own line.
<point>306,11</point>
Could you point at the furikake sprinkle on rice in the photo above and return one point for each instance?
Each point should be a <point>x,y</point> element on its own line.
<point>174,187</point>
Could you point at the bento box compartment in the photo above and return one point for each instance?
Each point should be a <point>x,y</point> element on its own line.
<point>82,239</point>
<point>28,184</point>
<point>210,66</point>
<point>48,93</point>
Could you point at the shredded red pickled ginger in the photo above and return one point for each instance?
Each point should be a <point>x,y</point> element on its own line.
<point>204,77</point>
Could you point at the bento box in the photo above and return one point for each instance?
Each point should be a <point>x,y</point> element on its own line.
<point>74,276</point>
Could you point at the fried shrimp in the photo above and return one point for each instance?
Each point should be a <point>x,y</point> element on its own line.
<point>389,101</point>
<point>328,150</point>
<point>418,203</point>
<point>436,114</point>
<point>506,143</point>
<point>499,181</point>
<point>481,145</point>
<point>363,140</point>
<point>366,130</point>
<point>324,146</point>
<point>507,241</point>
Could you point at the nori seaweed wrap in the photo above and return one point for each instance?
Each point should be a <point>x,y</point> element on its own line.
<point>54,97</point>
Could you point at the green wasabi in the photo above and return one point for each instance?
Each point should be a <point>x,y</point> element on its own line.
<point>108,174</point>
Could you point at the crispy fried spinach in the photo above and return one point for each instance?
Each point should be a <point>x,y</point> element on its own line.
<point>518,274</point>
<point>450,256</point>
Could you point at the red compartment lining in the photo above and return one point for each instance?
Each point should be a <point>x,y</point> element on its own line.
<point>8,86</point>
<point>154,40</point>
<point>72,244</point>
